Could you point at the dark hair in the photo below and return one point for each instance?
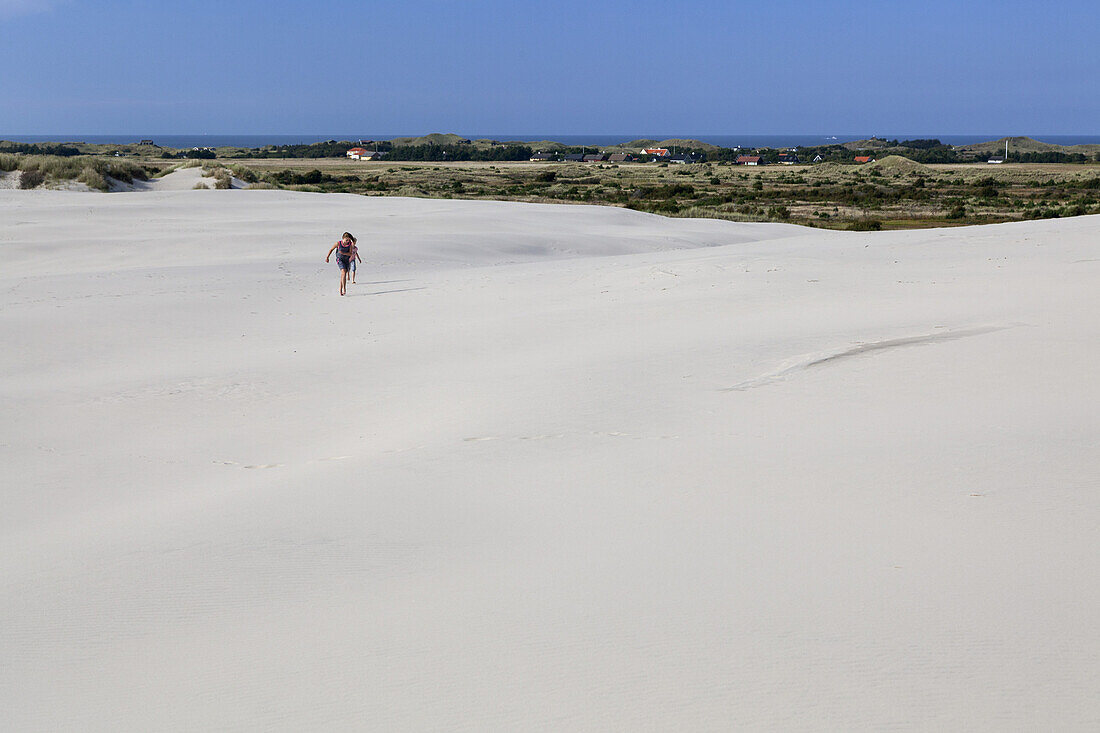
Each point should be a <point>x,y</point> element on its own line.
<point>350,236</point>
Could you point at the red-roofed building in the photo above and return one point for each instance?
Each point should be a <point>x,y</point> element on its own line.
<point>749,160</point>
<point>364,154</point>
<point>864,159</point>
<point>658,152</point>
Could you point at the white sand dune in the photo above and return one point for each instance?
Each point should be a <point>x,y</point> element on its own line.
<point>545,468</point>
<point>182,179</point>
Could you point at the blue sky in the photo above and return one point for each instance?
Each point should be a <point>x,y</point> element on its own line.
<point>599,66</point>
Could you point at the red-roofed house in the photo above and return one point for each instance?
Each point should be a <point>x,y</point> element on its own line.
<point>749,160</point>
<point>659,152</point>
<point>864,159</point>
<point>364,154</point>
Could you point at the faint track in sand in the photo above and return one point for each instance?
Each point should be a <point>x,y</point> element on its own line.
<point>829,357</point>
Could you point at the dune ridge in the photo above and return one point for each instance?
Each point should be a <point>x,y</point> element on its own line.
<point>518,479</point>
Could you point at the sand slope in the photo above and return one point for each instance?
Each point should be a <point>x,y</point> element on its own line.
<point>545,468</point>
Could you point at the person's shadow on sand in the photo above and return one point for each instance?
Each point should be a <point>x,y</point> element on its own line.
<point>382,292</point>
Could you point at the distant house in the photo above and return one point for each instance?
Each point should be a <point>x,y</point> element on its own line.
<point>864,159</point>
<point>595,158</point>
<point>995,161</point>
<point>749,160</point>
<point>620,158</point>
<point>146,142</point>
<point>364,154</point>
<point>575,158</point>
<point>543,157</point>
<point>682,158</point>
<point>788,158</point>
<point>656,152</point>
<point>818,159</point>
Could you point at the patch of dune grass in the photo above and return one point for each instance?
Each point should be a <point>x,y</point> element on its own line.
<point>89,170</point>
<point>178,166</point>
<point>93,178</point>
<point>245,174</point>
<point>223,178</point>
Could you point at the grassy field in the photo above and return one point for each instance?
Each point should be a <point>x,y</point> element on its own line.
<point>892,193</point>
<point>889,194</point>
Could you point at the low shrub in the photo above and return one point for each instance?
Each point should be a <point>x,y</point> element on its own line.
<point>223,178</point>
<point>245,174</point>
<point>121,175</point>
<point>292,178</point>
<point>31,179</point>
<point>664,192</point>
<point>865,225</point>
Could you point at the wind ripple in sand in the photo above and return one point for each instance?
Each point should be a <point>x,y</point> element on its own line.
<point>820,358</point>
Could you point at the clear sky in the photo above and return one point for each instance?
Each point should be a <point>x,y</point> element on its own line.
<point>567,67</point>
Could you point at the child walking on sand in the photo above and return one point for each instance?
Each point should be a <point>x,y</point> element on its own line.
<point>354,256</point>
<point>344,249</point>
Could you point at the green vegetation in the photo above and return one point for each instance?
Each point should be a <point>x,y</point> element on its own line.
<point>93,171</point>
<point>449,147</point>
<point>31,179</point>
<point>890,194</point>
<point>223,177</point>
<point>896,191</point>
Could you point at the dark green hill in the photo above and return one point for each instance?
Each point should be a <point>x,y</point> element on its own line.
<point>1025,145</point>
<point>435,138</point>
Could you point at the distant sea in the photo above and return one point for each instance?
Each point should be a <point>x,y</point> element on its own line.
<point>726,141</point>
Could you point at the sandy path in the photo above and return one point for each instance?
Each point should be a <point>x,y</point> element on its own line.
<point>546,468</point>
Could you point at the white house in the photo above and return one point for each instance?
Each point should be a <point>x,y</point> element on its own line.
<point>363,154</point>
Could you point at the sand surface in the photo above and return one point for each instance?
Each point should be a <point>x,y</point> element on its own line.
<point>545,468</point>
